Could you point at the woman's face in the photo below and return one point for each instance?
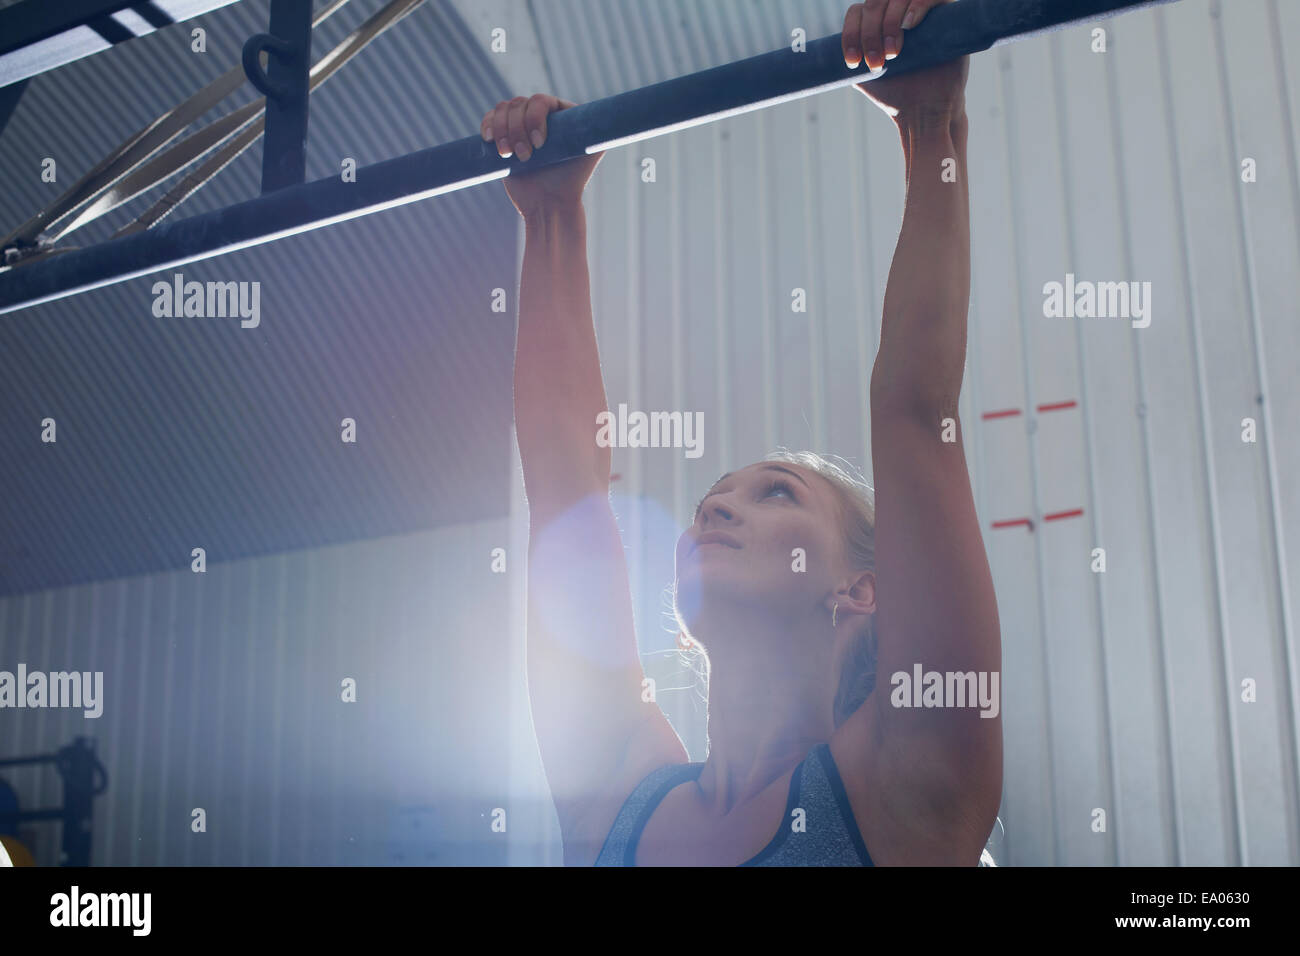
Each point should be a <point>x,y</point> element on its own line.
<point>778,547</point>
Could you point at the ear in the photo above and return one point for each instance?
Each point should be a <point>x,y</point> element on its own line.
<point>862,593</point>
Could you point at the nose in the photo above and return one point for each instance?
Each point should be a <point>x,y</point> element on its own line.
<point>715,508</point>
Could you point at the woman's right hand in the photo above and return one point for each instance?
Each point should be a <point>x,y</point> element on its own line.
<point>519,126</point>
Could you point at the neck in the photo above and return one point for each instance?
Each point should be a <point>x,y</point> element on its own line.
<point>768,706</point>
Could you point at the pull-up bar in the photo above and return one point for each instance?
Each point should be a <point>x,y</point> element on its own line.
<point>948,32</point>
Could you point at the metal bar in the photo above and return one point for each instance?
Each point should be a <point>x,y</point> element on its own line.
<point>765,80</point>
<point>37,36</point>
<point>120,178</point>
<point>22,761</point>
<point>221,135</point>
<point>32,816</point>
<point>9,97</point>
<point>26,23</point>
<point>284,147</point>
<point>78,766</point>
<point>103,188</point>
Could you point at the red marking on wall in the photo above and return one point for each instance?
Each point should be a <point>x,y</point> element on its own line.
<point>1014,522</point>
<point>615,477</point>
<point>1046,407</point>
<point>1054,516</point>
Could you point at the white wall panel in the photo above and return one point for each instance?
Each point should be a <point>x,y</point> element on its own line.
<point>221,691</point>
<point>1122,690</point>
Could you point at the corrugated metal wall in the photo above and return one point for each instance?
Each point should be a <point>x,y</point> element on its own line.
<point>223,691</point>
<point>177,431</point>
<point>1123,689</point>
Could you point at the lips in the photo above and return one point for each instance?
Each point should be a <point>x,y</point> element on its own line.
<point>715,537</point>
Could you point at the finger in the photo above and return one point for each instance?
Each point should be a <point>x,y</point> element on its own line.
<point>850,38</point>
<point>518,137</point>
<point>534,117</point>
<point>917,10</point>
<point>485,127</point>
<point>892,27</point>
<point>873,41</point>
<point>501,128</point>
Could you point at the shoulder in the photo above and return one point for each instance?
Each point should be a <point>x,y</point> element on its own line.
<point>901,823</point>
<point>651,754</point>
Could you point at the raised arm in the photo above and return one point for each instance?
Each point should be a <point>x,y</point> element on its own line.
<point>584,674</point>
<point>935,604</point>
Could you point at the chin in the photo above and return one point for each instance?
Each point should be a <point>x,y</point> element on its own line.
<point>701,592</point>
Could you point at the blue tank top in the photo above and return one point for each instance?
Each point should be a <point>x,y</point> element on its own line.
<point>829,837</point>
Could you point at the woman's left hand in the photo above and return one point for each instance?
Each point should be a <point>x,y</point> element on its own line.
<point>873,30</point>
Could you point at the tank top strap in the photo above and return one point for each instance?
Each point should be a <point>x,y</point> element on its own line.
<point>830,836</point>
<point>620,845</point>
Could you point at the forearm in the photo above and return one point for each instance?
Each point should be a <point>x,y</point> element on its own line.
<point>557,379</point>
<point>923,327</point>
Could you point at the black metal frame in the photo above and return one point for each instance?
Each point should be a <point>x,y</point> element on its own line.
<point>78,766</point>
<point>26,23</point>
<point>288,48</point>
<point>9,97</point>
<point>948,32</point>
<point>78,28</point>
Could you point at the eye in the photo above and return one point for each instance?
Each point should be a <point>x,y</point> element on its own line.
<point>781,484</point>
<point>777,484</point>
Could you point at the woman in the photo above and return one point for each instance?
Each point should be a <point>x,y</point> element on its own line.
<point>806,764</point>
